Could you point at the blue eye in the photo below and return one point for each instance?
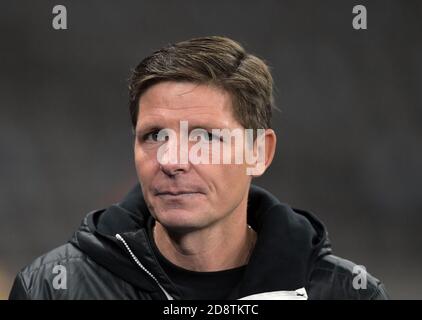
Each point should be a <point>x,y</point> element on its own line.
<point>152,136</point>
<point>211,137</point>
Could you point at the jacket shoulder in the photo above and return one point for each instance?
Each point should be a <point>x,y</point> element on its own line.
<point>340,279</point>
<point>65,253</point>
<point>63,273</point>
<point>36,280</point>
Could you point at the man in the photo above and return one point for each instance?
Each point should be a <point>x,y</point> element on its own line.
<point>195,228</point>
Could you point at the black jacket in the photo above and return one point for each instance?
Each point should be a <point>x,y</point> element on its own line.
<point>110,257</point>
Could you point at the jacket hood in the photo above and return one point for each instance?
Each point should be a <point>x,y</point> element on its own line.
<point>289,243</point>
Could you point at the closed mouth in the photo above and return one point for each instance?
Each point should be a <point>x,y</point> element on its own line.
<point>177,193</point>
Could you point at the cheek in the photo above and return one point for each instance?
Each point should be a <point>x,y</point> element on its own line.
<point>236,175</point>
<point>230,183</point>
<point>225,179</point>
<point>145,161</point>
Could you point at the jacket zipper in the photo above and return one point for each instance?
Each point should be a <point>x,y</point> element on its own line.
<point>299,294</point>
<point>140,265</point>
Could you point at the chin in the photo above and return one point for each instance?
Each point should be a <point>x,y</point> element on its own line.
<point>180,220</point>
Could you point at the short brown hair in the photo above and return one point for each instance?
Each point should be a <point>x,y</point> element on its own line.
<point>214,60</point>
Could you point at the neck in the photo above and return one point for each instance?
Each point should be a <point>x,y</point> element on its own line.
<point>219,247</point>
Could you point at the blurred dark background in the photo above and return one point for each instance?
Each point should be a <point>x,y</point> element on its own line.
<point>349,134</point>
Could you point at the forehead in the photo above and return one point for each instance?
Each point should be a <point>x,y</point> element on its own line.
<point>170,102</point>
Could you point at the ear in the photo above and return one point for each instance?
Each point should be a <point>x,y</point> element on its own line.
<point>264,148</point>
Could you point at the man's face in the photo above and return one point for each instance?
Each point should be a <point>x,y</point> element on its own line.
<point>186,196</point>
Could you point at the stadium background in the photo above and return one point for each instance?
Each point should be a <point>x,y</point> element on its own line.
<point>349,134</point>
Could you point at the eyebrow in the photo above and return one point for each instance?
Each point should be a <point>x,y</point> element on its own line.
<point>147,128</point>
<point>153,126</point>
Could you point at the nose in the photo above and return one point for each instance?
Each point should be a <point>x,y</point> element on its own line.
<point>174,158</point>
<point>174,169</point>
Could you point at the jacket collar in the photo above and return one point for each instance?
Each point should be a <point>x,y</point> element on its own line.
<point>289,242</point>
